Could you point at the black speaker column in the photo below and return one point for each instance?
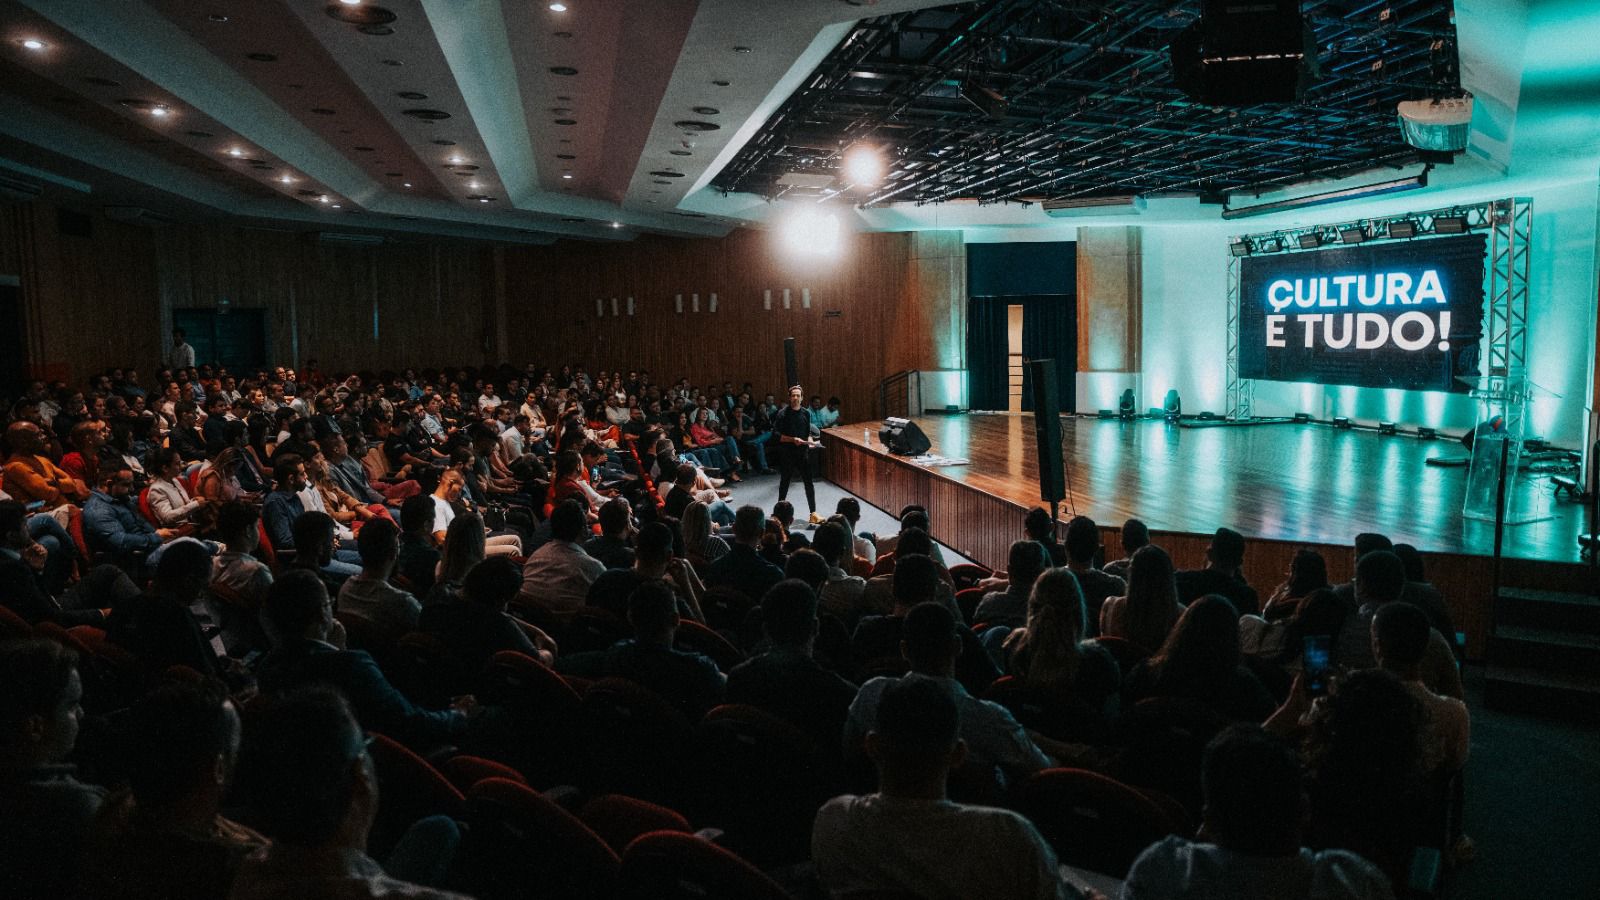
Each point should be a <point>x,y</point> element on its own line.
<point>791,365</point>
<point>1047,430</point>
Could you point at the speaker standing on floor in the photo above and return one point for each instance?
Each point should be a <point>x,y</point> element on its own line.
<point>791,365</point>
<point>1047,430</point>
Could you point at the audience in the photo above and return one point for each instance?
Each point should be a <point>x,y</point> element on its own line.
<point>742,567</point>
<point>1009,608</point>
<point>1050,650</point>
<point>557,577</point>
<point>160,627</point>
<point>1223,574</point>
<point>1380,580</point>
<point>370,595</point>
<point>613,546</point>
<point>1146,614</point>
<point>1135,534</point>
<point>785,680</point>
<point>690,681</point>
<point>842,592</point>
<point>1083,545</point>
<point>476,626</point>
<point>1400,639</point>
<point>1200,661</point>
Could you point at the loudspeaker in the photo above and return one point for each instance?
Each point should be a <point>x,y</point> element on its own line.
<point>791,365</point>
<point>1047,430</point>
<point>903,437</point>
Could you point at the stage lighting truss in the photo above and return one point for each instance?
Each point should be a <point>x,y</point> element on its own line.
<point>1508,224</point>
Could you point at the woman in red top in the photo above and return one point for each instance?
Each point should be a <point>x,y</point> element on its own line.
<point>83,463</point>
<point>707,437</point>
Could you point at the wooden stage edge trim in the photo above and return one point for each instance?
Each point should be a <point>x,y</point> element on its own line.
<point>981,526</point>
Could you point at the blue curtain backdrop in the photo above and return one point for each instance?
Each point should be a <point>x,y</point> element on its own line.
<point>1042,278</point>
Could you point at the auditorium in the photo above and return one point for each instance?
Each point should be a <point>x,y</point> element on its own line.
<point>809,449</point>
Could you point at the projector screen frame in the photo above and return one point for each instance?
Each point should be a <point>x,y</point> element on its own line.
<point>1508,226</point>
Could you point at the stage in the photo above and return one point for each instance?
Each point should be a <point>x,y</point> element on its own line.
<point>1284,486</point>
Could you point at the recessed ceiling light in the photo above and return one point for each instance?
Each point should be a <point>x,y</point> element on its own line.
<point>351,2</point>
<point>408,184</point>
<point>159,111</point>
<point>456,160</point>
<point>323,199</point>
<point>474,185</point>
<point>483,199</point>
<point>558,7</point>
<point>563,70</point>
<point>679,152</point>
<point>286,180</point>
<point>235,152</point>
<point>565,121</point>
<point>707,110</point>
<point>616,224</point>
<point>566,156</point>
<point>561,34</point>
<point>337,206</point>
<point>566,175</point>
<point>722,82</point>
<point>33,44</point>
<point>217,17</point>
<point>741,49</point>
<point>391,62</point>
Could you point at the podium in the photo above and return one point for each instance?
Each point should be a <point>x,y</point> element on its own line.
<point>1504,402</point>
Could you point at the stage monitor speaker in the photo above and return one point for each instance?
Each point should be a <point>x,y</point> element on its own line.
<point>903,437</point>
<point>1047,430</point>
<point>791,365</point>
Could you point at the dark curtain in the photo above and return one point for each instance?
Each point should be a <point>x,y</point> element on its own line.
<point>1050,331</point>
<point>986,352</point>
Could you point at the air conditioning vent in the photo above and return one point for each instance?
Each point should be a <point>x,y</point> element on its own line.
<point>1089,206</point>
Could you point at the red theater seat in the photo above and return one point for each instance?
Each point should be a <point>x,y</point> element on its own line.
<point>667,865</point>
<point>519,844</point>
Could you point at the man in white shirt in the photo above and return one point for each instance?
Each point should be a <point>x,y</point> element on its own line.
<point>557,576</point>
<point>488,399</point>
<point>1255,807</point>
<point>181,356</point>
<point>370,595</point>
<point>909,837</point>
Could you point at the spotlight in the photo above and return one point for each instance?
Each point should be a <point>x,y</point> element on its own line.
<point>1387,428</point>
<point>1342,422</point>
<point>1239,248</point>
<point>286,180</point>
<point>159,111</point>
<point>558,7</point>
<point>1270,245</point>
<point>1310,240</point>
<point>1125,404</point>
<point>1427,434</point>
<point>351,2</point>
<point>1302,418</point>
<point>1402,228</point>
<point>567,176</point>
<point>1172,406</point>
<point>235,152</point>
<point>811,230</point>
<point>32,44</point>
<point>1450,225</point>
<point>863,165</point>
<point>323,199</point>
<point>1352,235</point>
<point>616,224</point>
<point>407,184</point>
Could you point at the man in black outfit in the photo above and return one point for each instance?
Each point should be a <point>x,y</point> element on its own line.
<point>1222,575</point>
<point>793,427</point>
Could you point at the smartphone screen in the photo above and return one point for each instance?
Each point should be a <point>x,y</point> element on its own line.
<point>1314,664</point>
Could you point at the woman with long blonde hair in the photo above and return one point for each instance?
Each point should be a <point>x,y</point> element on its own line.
<point>1050,651</point>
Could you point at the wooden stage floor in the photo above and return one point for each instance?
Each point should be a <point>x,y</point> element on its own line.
<point>1283,486</point>
<point>1309,484</point>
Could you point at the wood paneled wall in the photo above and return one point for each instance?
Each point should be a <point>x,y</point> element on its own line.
<point>104,300</point>
<point>868,318</point>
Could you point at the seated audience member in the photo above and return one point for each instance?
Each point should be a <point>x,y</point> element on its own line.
<point>878,595</point>
<point>683,491</point>
<point>879,637</point>
<point>159,627</point>
<point>862,547</point>
<point>316,542</point>
<point>112,525</point>
<point>301,617</point>
<point>369,594</point>
<point>841,593</point>
<point>169,499</point>
<point>1250,842</point>
<point>83,463</point>
<point>1146,614</point>
<point>1050,650</point>
<point>1308,572</point>
<point>786,681</point>
<point>701,547</point>
<point>1282,641</point>
<point>807,565</point>
<point>187,438</point>
<point>445,499</point>
<point>912,517</point>
<point>793,540</point>
<point>1223,575</point>
<point>909,837</point>
<point>1038,526</point>
<point>931,644</point>
<point>1400,638</point>
<point>1380,580</point>
<point>306,765</point>
<point>1083,542</point>
<point>22,560</point>
<point>1365,768</point>
<point>556,578</point>
<point>217,482</point>
<point>476,626</point>
<point>611,546</point>
<point>690,681</point>
<point>348,475</point>
<point>45,812</point>
<point>239,581</point>
<point>742,567</point>
<point>1200,661</point>
<point>30,476</point>
<point>165,836</point>
<point>418,557</point>
<point>1419,592</point>
<point>281,506</point>
<point>1135,534</point>
<point>653,561</point>
<point>1009,608</point>
<point>463,548</point>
